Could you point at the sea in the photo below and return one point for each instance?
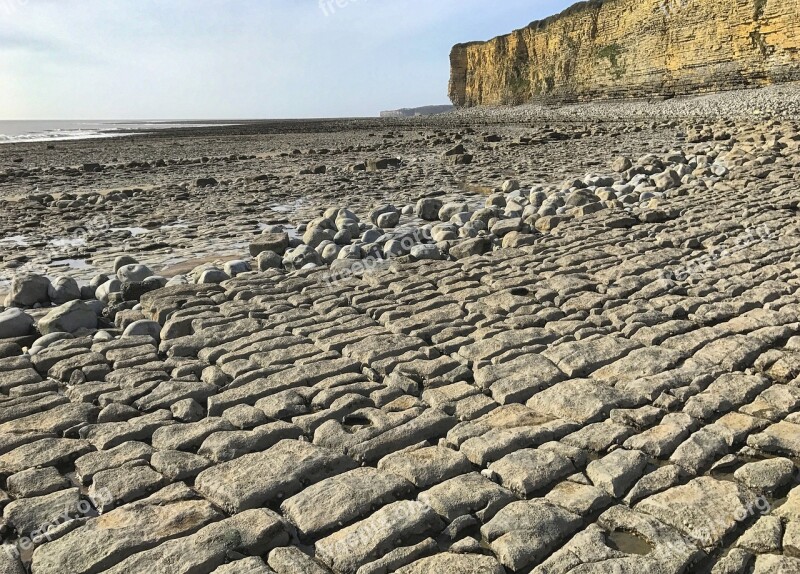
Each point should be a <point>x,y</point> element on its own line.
<point>15,131</point>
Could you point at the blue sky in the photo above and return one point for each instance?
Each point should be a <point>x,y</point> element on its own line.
<point>171,59</point>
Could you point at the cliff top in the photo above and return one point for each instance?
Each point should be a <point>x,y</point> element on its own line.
<point>543,23</point>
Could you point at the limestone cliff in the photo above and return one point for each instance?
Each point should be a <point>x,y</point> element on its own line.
<point>632,48</point>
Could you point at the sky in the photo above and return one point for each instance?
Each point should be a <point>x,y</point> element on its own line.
<point>237,59</point>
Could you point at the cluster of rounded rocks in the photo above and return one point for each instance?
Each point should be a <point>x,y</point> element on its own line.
<point>63,307</point>
<point>434,228</point>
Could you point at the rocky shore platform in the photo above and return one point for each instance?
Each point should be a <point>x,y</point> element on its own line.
<point>511,340</point>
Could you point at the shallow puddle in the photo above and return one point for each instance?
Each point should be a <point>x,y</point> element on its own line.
<point>171,226</point>
<point>68,242</point>
<point>180,266</point>
<point>19,240</point>
<point>291,230</point>
<point>287,207</point>
<point>723,476</point>
<point>134,231</point>
<point>628,542</point>
<point>71,263</point>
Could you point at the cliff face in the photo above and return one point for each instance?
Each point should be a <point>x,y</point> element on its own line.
<point>632,48</point>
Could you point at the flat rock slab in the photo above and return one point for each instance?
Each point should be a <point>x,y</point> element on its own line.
<point>352,547</point>
<point>781,438</point>
<point>28,515</point>
<point>176,465</point>
<point>91,463</point>
<point>258,479</point>
<point>424,467</point>
<point>108,539</point>
<point>454,564</point>
<point>342,499</point>
<point>290,560</point>
<point>525,532</point>
<point>36,482</point>
<point>705,509</point>
<point>252,532</point>
<point>654,545</point>
<point>581,400</point>
<point>615,473</point>
<point>188,436</point>
<point>252,565</point>
<point>519,379</point>
<point>117,486</point>
<point>467,494</point>
<point>504,430</point>
<point>44,452</point>
<point>579,358</point>
<point>529,470</point>
<point>108,435</point>
<point>771,564</point>
<point>56,419</point>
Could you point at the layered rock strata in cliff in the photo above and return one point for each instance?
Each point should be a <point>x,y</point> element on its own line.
<point>633,48</point>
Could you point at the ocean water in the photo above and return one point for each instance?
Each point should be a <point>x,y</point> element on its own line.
<point>15,131</point>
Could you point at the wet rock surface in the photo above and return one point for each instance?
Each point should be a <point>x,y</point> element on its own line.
<point>547,360</point>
